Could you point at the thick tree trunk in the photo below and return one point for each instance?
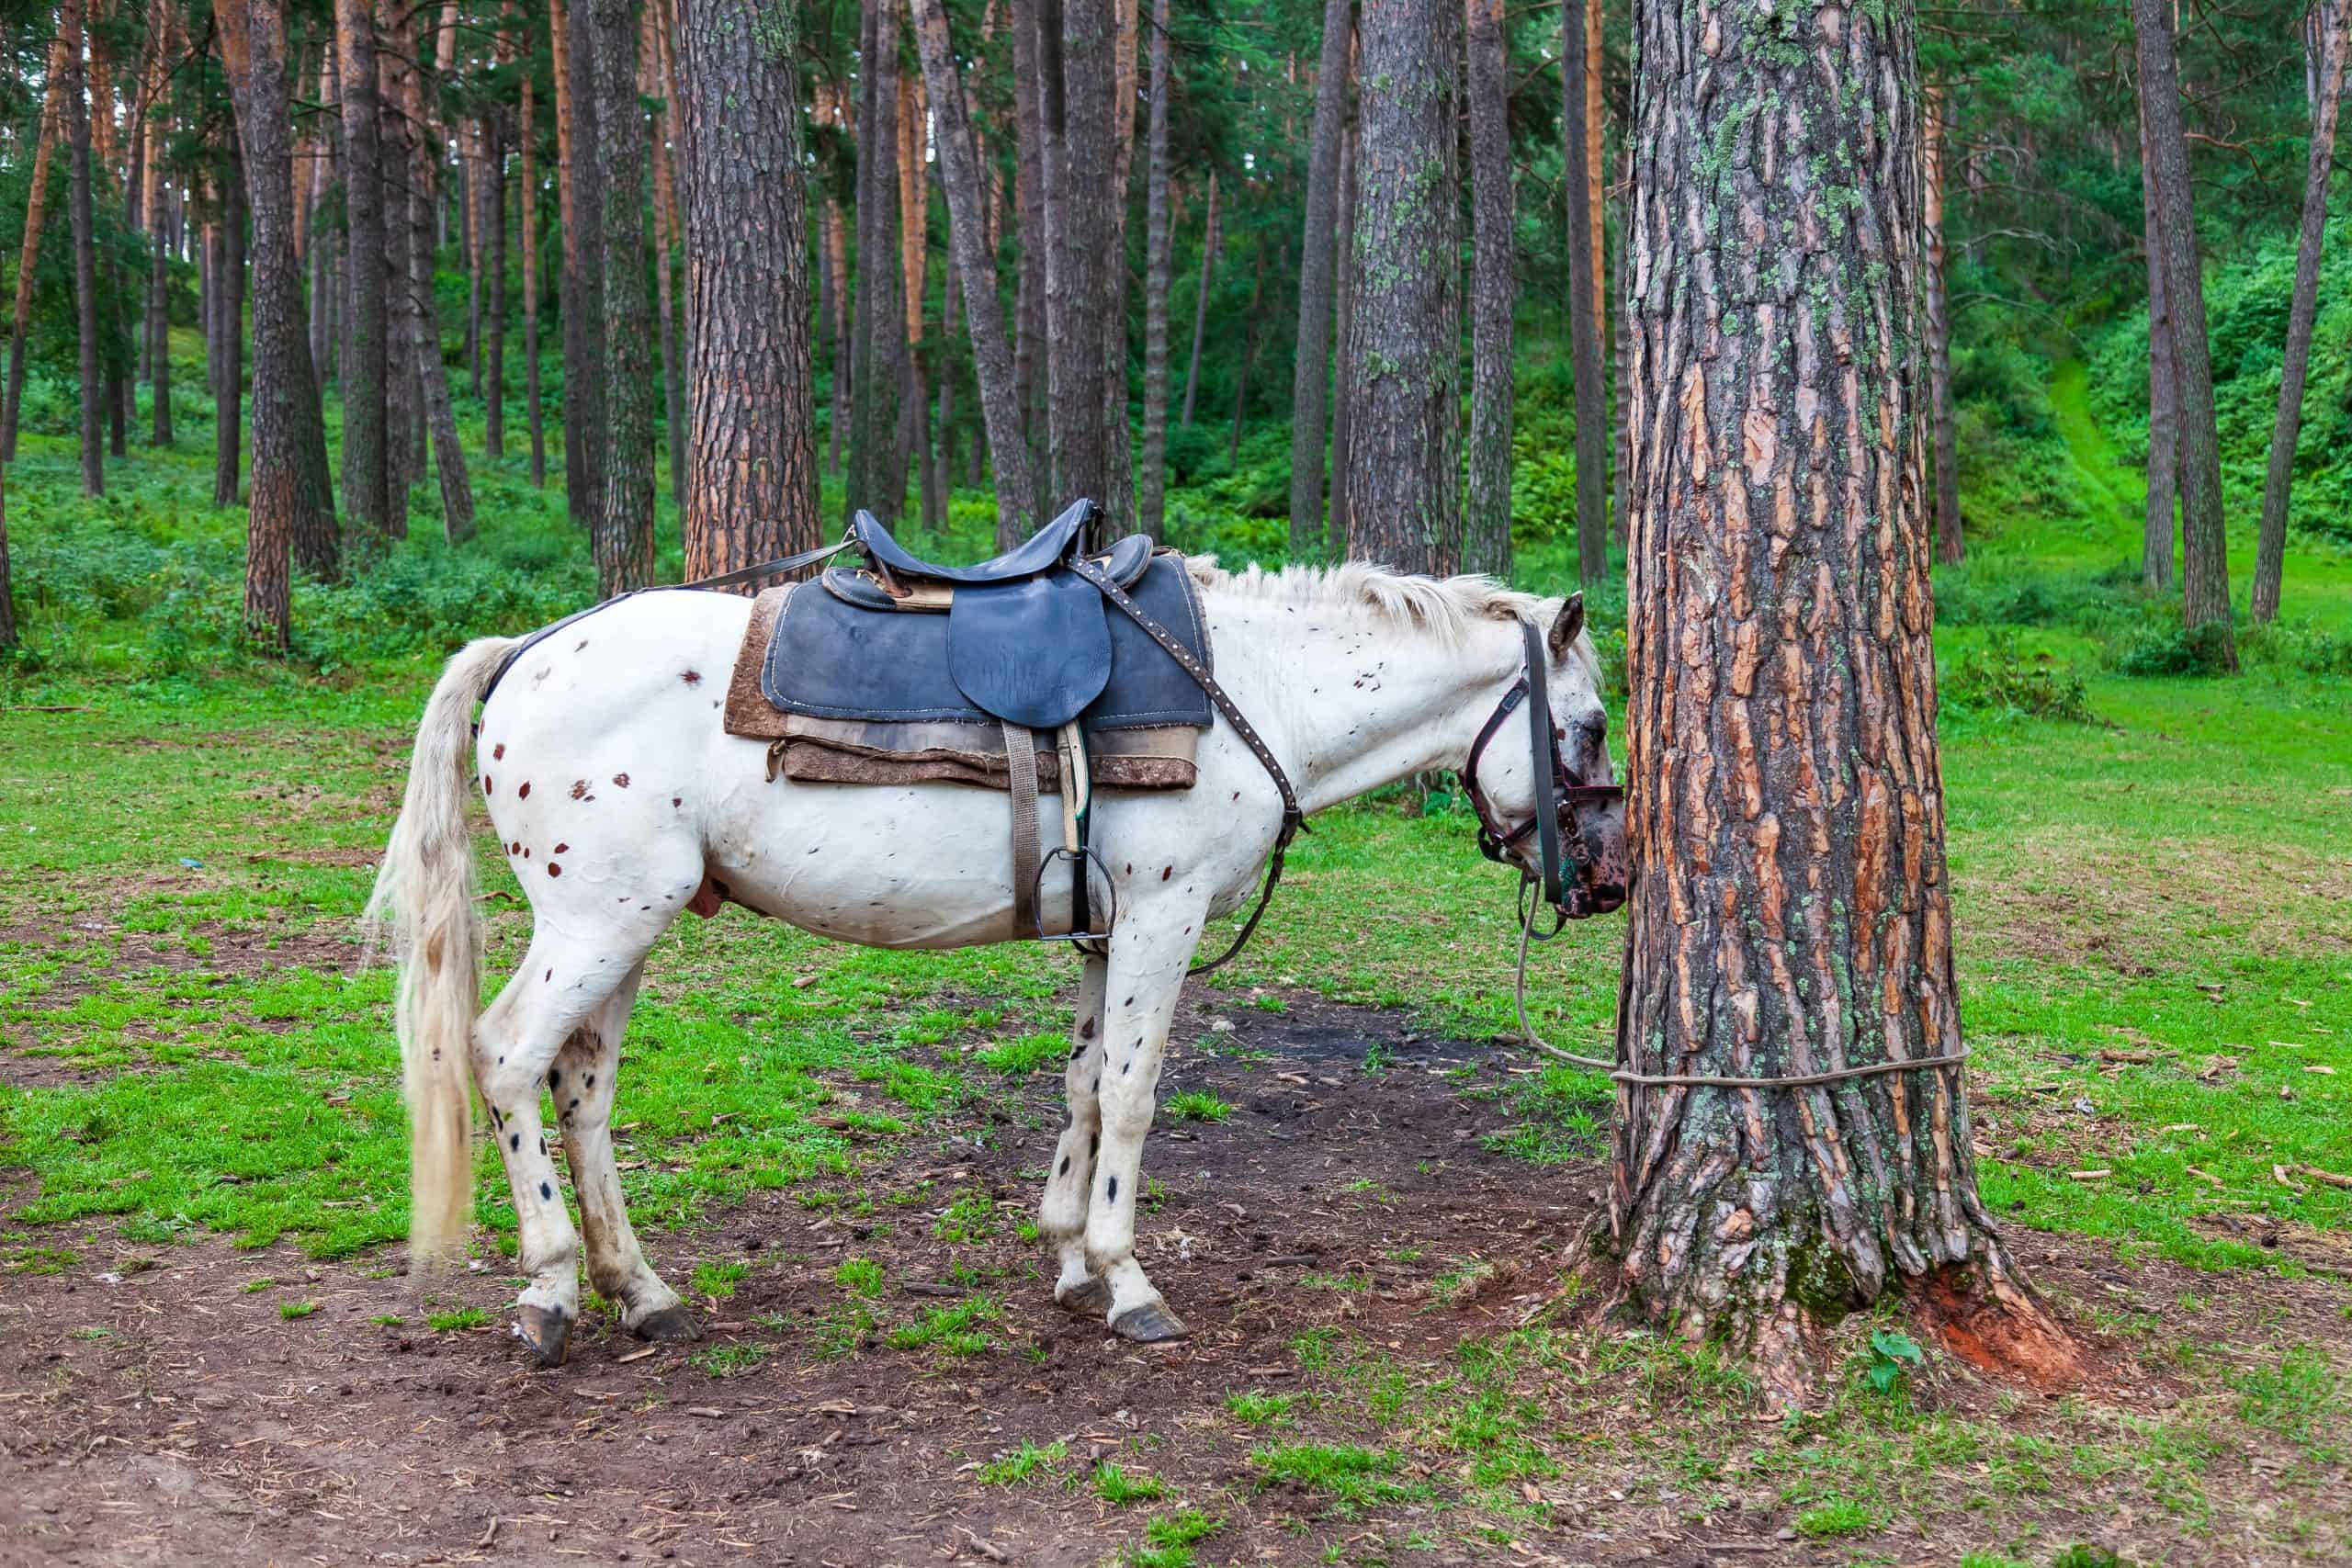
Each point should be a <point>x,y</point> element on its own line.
<point>529,213</point>
<point>2160,529</point>
<point>1343,420</point>
<point>1791,910</point>
<point>1583,157</point>
<point>2329,22</point>
<point>1201,303</point>
<point>1622,378</point>
<point>228,332</point>
<point>1404,477</point>
<point>293,509</point>
<point>1486,530</point>
<point>585,437</point>
<point>1311,368</point>
<point>752,458</point>
<point>2205,575</point>
<point>959,177</point>
<point>76,110</point>
<point>673,407</point>
<point>422,315</point>
<point>1158,254</point>
<point>875,333</point>
<point>622,535</point>
<point>28,257</point>
<point>1950,547</point>
<point>366,494</point>
<point>1077,61</point>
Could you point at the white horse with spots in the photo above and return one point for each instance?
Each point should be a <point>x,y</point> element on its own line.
<point>615,793</point>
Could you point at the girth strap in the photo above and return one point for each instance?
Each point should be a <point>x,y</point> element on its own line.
<point>1020,761</point>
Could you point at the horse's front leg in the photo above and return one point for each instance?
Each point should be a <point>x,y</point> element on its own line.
<point>1062,1217</point>
<point>1146,973</point>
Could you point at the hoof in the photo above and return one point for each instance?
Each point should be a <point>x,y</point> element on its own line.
<point>674,1325</point>
<point>1089,1297</point>
<point>546,1331</point>
<point>1151,1324</point>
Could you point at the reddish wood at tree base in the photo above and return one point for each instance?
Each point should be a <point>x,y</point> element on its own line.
<point>1791,911</point>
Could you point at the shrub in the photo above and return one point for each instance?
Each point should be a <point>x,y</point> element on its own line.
<point>1999,679</point>
<point>2173,650</point>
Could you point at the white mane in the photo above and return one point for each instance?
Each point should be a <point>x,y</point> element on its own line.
<point>1448,606</point>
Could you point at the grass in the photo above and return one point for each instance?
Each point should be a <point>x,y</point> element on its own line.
<point>292,1310</point>
<point>457,1320</point>
<point>1195,1105</point>
<point>956,1330</point>
<point>730,1360</point>
<point>1027,1462</point>
<point>1123,1488</point>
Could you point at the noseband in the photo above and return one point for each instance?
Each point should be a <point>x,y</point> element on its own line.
<point>1555,823</point>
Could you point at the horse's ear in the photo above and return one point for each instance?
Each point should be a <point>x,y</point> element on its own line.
<point>1565,629</point>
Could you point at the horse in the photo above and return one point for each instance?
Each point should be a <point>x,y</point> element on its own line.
<point>620,801</point>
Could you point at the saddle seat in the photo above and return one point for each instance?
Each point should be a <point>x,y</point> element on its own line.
<point>1042,551</point>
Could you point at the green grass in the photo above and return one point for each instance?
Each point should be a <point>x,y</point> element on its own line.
<point>292,1310</point>
<point>1027,1462</point>
<point>1195,1105</point>
<point>958,1330</point>
<point>1121,1487</point>
<point>457,1320</point>
<point>718,1280</point>
<point>1259,1408</point>
<point>730,1360</point>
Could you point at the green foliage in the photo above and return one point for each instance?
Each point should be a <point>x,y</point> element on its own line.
<point>956,1329</point>
<point>860,1277</point>
<point>731,1361</point>
<point>1196,1105</point>
<point>1029,1053</point>
<point>1893,1355</point>
<point>2304,1398</point>
<point>457,1320</point>
<point>292,1310</point>
<point>1997,676</point>
<point>1120,1487</point>
<point>1839,1517</point>
<point>1024,1463</point>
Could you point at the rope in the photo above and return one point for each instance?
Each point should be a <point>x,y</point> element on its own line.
<point>1704,1081</point>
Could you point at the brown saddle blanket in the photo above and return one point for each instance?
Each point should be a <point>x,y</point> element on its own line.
<point>871,752</point>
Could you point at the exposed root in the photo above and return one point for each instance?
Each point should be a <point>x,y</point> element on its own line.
<point>1988,1318</point>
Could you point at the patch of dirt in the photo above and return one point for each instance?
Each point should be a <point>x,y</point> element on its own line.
<point>155,1410</point>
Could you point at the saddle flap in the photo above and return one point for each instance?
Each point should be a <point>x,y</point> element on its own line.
<point>1035,653</point>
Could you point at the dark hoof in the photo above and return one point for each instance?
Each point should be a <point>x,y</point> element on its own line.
<point>671,1326</point>
<point>546,1331</point>
<point>1090,1298</point>
<point>1151,1324</point>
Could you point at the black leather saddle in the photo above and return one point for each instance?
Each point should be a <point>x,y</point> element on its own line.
<point>1042,551</point>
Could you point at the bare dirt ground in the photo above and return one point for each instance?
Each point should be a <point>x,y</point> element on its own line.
<point>155,1410</point>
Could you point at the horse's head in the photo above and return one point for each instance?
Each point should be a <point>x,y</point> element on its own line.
<point>1513,785</point>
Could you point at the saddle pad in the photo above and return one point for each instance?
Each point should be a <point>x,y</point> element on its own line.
<point>829,659</point>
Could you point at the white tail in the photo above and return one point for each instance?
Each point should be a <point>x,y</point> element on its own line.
<point>423,900</point>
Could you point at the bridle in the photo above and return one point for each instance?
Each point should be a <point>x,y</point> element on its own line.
<point>1553,824</point>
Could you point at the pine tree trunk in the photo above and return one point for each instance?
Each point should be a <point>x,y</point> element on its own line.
<point>76,110</point>
<point>1118,490</point>
<point>914,251</point>
<point>1791,910</point>
<point>1583,155</point>
<point>1950,547</point>
<point>1486,532</point>
<point>320,233</point>
<point>292,512</point>
<point>529,213</point>
<point>1344,423</point>
<point>2159,531</point>
<point>875,332</point>
<point>622,535</point>
<point>366,495</point>
<point>2205,575</point>
<point>585,437</point>
<point>1077,61</point>
<point>421,314</point>
<point>2328,20</point>
<point>1158,254</point>
<point>404,435</point>
<point>1201,303</point>
<point>1252,338</point>
<point>494,213</point>
<point>674,407</point>
<point>28,259</point>
<point>751,462</point>
<point>837,269</point>
<point>1029,216</point>
<point>959,177</point>
<point>1404,483</point>
<point>117,393</point>
<point>1310,368</point>
<point>228,332</point>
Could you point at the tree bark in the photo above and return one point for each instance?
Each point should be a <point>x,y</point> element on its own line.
<point>2205,577</point>
<point>674,407</point>
<point>1404,483</point>
<point>1486,532</point>
<point>1950,547</point>
<point>1791,909</point>
<point>2160,528</point>
<point>227,331</point>
<point>1201,303</point>
<point>875,332</point>
<point>404,433</point>
<point>421,312</point>
<point>1158,254</point>
<point>623,536</point>
<point>751,464</point>
<point>1311,368</point>
<point>366,494</point>
<point>913,444</point>
<point>1109,267</point>
<point>292,518</point>
<point>76,110</point>
<point>28,259</point>
<point>1029,214</point>
<point>529,213</point>
<point>1343,422</point>
<point>2329,22</point>
<point>1585,284</point>
<point>959,177</point>
<point>1079,43</point>
<point>585,435</point>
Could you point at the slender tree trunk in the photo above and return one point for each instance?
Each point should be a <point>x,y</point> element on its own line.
<point>1485,530</point>
<point>751,481</point>
<point>1950,547</point>
<point>159,336</point>
<point>586,438</point>
<point>319,235</point>
<point>1404,494</point>
<point>1029,214</point>
<point>405,432</point>
<point>1077,58</point>
<point>2328,21</point>
<point>1344,423</point>
<point>29,258</point>
<point>1158,256</point>
<point>673,407</point>
<point>944,426</point>
<point>876,333</point>
<point>2205,577</point>
<point>624,531</point>
<point>837,269</point>
<point>76,110</point>
<point>1118,490</point>
<point>117,385</point>
<point>529,206</point>
<point>959,177</point>
<point>422,316</point>
<point>914,224</point>
<point>1311,368</point>
<point>1790,909</point>
<point>1622,380</point>
<point>2161,526</point>
<point>1252,338</point>
<point>1201,303</point>
<point>227,331</point>
<point>366,494</point>
<point>1583,155</point>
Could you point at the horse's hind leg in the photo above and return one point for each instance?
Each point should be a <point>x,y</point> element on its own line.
<point>581,1084</point>
<point>1061,1218</point>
